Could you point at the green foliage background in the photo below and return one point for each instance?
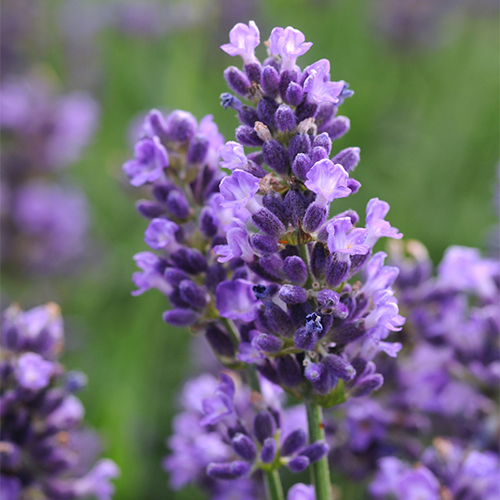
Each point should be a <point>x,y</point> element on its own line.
<point>427,124</point>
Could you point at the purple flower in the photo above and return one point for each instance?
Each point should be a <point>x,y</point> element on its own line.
<point>161,234</point>
<point>34,372</point>
<point>243,41</point>
<point>221,405</point>
<point>67,415</point>
<point>288,43</point>
<point>328,181</point>
<point>301,491</point>
<point>97,481</point>
<point>209,130</point>
<point>249,353</point>
<point>385,312</point>
<point>345,239</point>
<point>378,276</point>
<point>150,159</point>
<point>376,225</point>
<point>233,156</point>
<point>237,245</point>
<point>151,275</point>
<point>239,189</point>
<point>235,300</point>
<point>463,269</point>
<point>318,86</point>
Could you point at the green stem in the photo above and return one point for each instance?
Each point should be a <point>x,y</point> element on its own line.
<point>232,331</point>
<point>274,490</point>
<point>320,472</point>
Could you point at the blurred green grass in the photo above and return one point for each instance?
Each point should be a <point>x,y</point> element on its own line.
<point>427,126</point>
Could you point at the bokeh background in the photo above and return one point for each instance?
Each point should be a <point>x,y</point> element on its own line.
<point>424,113</point>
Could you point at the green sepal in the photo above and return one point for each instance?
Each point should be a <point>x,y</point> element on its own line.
<point>333,398</point>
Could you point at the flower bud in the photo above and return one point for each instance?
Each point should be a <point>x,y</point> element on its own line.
<point>228,100</point>
<point>348,333</point>
<point>296,205</point>
<point>323,140</point>
<point>306,110</point>
<point>268,451</point>
<point>244,447</point>
<point>348,158</point>
<point>284,118</point>
<point>253,71</point>
<point>314,217</point>
<point>275,156</point>
<point>267,370</point>
<point>232,470</point>
<point>367,385</point>
<point>180,317</point>
<point>270,81</point>
<point>286,77</point>
<point>216,274</point>
<point>353,185</point>
<point>301,165</point>
<point>319,260</point>
<point>268,223</point>
<point>337,271</point>
<point>263,243</point>
<point>237,80</point>
<point>298,464</point>
<point>197,150</point>
<point>318,154</point>
<point>248,116</point>
<point>178,204</point>
<point>295,269</point>
<point>299,143</point>
<point>291,294</point>
<point>276,205</point>
<point>149,209</point>
<point>266,108</point>
<point>294,94</point>
<point>180,126</point>
<point>339,367</point>
<point>293,442</point>
<point>219,341</point>
<point>337,127</point>
<point>326,111</point>
<point>315,451</point>
<point>264,425</point>
<point>289,371</point>
<point>248,136</point>
<point>267,343</point>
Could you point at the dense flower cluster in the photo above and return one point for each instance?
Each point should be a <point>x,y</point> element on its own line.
<point>229,431</point>
<point>446,471</point>
<point>45,452</point>
<point>44,221</point>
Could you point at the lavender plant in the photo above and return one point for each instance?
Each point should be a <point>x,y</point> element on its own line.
<point>45,451</point>
<point>253,259</point>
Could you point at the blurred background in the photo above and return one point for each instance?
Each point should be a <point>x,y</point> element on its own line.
<point>425,115</point>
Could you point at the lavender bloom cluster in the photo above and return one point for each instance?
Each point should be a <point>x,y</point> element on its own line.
<point>44,450</point>
<point>446,471</point>
<point>225,430</point>
<point>44,221</point>
<point>445,383</point>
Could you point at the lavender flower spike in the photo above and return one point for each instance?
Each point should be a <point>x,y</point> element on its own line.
<point>288,43</point>
<point>318,86</point>
<point>328,181</point>
<point>243,41</point>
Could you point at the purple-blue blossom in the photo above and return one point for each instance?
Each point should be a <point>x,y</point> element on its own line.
<point>151,159</point>
<point>243,41</point>
<point>289,43</point>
